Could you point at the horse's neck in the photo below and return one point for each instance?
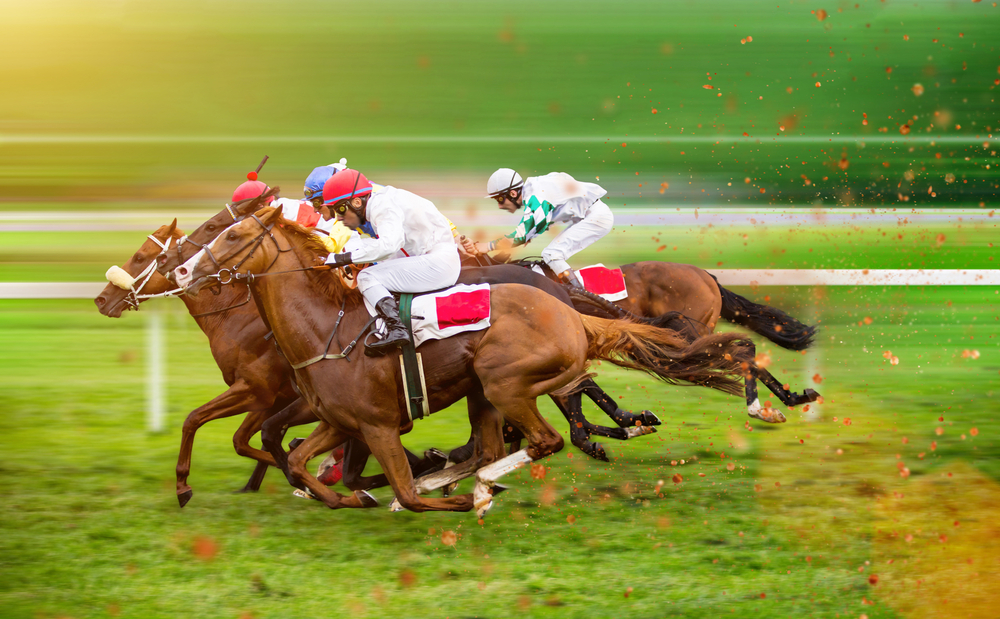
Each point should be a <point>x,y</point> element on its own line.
<point>301,312</point>
<point>206,302</point>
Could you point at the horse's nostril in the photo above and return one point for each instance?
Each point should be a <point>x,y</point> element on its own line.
<point>100,301</point>
<point>182,271</point>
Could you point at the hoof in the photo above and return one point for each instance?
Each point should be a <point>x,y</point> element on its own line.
<point>184,497</point>
<point>304,494</point>
<point>811,395</point>
<point>436,456</point>
<point>366,499</point>
<point>635,431</point>
<point>769,415</point>
<point>243,490</point>
<point>595,451</point>
<point>295,442</point>
<point>446,491</point>
<point>395,506</point>
<point>650,419</point>
<point>482,498</point>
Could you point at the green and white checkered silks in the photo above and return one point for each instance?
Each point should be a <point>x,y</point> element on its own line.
<point>536,219</point>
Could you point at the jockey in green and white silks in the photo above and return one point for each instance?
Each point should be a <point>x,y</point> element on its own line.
<point>553,198</point>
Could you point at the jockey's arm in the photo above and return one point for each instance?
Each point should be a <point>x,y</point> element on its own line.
<point>390,238</point>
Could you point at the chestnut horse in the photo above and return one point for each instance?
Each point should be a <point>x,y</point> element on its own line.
<point>629,424</point>
<point>259,378</point>
<point>534,346</point>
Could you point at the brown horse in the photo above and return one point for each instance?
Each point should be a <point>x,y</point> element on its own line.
<point>628,424</point>
<point>535,345</point>
<point>662,289</point>
<point>259,378</point>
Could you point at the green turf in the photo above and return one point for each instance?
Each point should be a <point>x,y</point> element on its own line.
<point>91,527</point>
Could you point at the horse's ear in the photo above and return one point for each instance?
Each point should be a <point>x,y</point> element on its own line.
<point>272,216</point>
<point>272,192</point>
<point>172,227</point>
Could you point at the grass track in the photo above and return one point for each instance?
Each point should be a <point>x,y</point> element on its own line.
<point>91,528</point>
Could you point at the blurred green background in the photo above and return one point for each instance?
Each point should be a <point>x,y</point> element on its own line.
<point>118,115</point>
<point>125,102</point>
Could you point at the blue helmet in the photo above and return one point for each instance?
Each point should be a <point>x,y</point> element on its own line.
<point>318,177</point>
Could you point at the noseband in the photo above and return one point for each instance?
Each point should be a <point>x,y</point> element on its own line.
<point>133,298</point>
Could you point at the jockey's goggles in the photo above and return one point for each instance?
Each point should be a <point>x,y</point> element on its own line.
<point>505,195</point>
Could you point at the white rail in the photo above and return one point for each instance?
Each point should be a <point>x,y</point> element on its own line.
<point>727,277</point>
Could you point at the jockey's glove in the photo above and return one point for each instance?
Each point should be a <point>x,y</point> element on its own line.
<point>340,260</point>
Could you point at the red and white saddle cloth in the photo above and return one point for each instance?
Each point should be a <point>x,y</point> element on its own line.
<point>608,283</point>
<point>438,315</point>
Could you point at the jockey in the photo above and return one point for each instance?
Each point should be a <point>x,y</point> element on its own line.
<point>313,188</point>
<point>555,197</point>
<point>413,245</point>
<point>333,233</point>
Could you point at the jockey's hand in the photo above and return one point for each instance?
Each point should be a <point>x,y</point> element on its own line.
<point>340,260</point>
<point>470,247</point>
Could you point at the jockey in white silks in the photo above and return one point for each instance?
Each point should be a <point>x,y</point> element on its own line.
<point>413,246</point>
<point>553,198</point>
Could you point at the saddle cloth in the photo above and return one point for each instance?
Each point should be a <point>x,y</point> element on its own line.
<point>608,283</point>
<point>442,314</point>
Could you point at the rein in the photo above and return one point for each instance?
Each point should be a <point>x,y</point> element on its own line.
<point>229,275</point>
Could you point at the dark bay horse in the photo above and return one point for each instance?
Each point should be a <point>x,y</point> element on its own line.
<point>663,289</point>
<point>534,346</point>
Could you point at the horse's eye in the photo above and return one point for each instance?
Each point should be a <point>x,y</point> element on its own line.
<point>210,228</point>
<point>231,236</point>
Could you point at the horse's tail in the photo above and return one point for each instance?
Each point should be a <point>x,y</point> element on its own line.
<point>771,322</point>
<point>717,361</point>
<point>588,303</point>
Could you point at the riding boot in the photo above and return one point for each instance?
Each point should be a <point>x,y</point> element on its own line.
<point>396,335</point>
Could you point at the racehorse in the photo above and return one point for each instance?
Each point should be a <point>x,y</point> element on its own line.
<point>629,424</point>
<point>664,289</point>
<point>259,378</point>
<point>535,345</point>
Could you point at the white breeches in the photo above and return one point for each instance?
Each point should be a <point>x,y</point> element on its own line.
<point>436,269</point>
<point>595,225</point>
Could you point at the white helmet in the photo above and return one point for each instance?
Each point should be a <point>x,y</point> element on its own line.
<point>503,180</point>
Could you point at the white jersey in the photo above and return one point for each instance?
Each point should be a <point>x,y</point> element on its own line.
<point>402,221</point>
<point>570,199</point>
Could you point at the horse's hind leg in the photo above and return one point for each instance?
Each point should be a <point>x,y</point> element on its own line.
<point>754,407</point>
<point>323,438</point>
<point>571,408</point>
<point>788,398</point>
<point>388,450</point>
<point>623,418</point>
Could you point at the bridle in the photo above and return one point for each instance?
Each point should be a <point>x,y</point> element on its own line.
<point>133,297</point>
<point>232,209</point>
<point>227,275</point>
<point>230,275</point>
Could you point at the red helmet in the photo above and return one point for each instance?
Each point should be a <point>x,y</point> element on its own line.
<point>345,185</point>
<point>251,189</point>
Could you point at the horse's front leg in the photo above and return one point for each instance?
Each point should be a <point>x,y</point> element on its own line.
<point>233,401</point>
<point>273,432</point>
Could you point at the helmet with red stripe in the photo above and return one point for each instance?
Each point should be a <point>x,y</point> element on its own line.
<point>251,189</point>
<point>345,185</point>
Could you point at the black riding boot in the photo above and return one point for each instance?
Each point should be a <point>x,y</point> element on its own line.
<point>396,334</point>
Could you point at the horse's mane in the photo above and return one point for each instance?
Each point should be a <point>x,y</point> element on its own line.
<point>311,251</point>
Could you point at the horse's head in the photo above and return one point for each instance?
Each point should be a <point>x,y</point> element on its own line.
<point>138,280</point>
<point>240,248</point>
<point>191,244</point>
